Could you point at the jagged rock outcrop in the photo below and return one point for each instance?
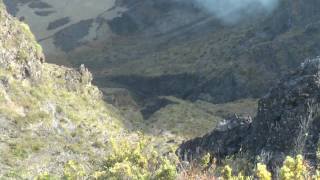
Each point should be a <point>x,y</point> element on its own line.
<point>287,122</point>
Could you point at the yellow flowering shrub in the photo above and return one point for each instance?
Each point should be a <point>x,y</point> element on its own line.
<point>136,161</point>
<point>293,168</point>
<point>167,171</point>
<point>227,174</point>
<point>262,172</point>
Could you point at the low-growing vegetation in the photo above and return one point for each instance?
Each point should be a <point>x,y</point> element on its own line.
<point>127,160</point>
<point>137,161</point>
<point>296,168</point>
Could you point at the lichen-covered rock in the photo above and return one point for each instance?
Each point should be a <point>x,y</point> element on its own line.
<point>287,122</point>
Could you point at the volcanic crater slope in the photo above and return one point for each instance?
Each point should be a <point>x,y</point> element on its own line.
<point>219,62</point>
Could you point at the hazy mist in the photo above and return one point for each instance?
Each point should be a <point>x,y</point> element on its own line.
<point>231,11</point>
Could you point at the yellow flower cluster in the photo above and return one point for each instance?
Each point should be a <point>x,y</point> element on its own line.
<point>227,175</point>
<point>136,161</point>
<point>293,168</point>
<point>262,172</point>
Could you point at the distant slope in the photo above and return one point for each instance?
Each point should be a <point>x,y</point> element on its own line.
<point>53,21</point>
<point>204,58</point>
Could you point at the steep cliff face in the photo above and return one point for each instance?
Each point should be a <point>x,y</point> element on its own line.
<point>287,123</point>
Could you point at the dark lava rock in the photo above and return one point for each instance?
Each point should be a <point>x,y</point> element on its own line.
<point>287,123</point>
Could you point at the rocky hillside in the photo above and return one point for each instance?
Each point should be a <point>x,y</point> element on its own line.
<point>287,123</point>
<point>55,124</point>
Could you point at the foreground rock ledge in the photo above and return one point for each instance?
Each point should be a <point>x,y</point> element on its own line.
<point>287,123</point>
